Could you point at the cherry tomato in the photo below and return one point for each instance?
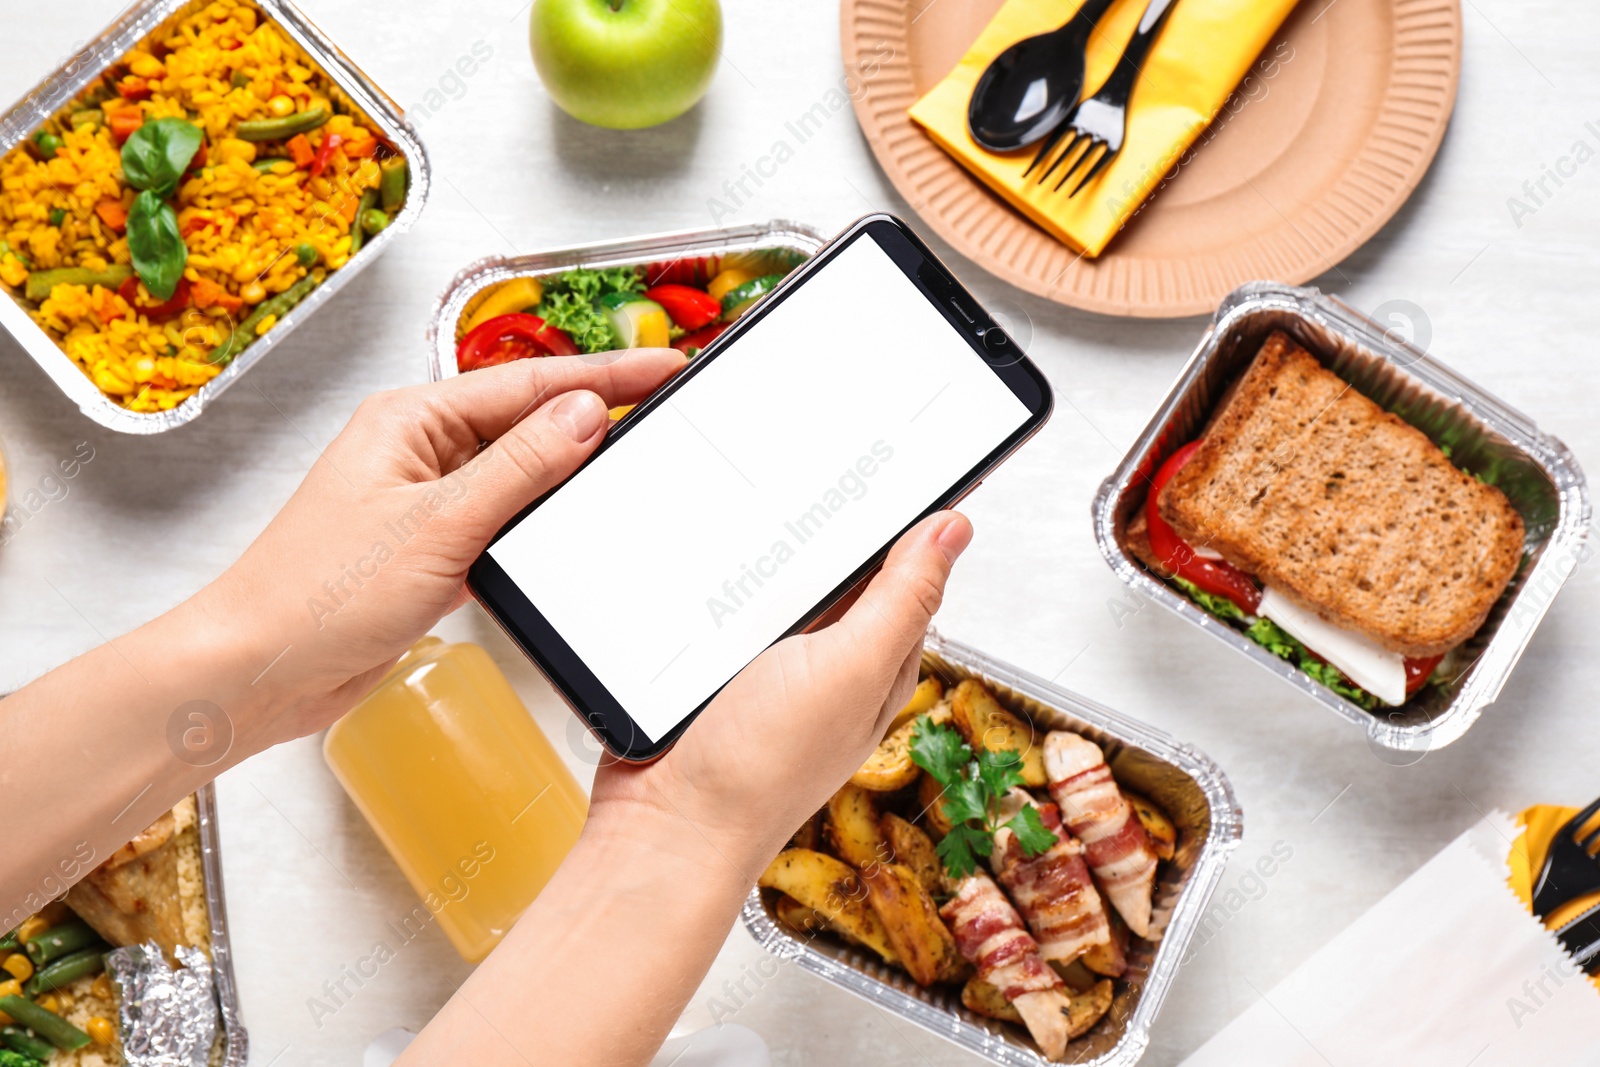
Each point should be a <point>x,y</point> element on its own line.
<point>692,343</point>
<point>511,337</point>
<point>1215,576</point>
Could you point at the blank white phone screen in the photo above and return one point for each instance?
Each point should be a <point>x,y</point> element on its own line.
<point>717,522</point>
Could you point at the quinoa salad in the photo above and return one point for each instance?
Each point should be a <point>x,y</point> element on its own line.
<point>186,200</point>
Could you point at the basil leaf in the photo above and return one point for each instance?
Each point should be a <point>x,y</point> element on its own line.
<point>155,155</point>
<point>157,247</point>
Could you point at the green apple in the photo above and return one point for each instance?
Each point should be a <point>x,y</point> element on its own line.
<point>626,64</point>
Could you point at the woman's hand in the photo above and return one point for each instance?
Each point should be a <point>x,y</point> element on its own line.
<point>800,719</point>
<point>374,546</point>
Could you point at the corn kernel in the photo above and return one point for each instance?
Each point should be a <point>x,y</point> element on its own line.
<point>102,986</point>
<point>100,1030</point>
<point>146,66</point>
<point>18,966</point>
<point>10,988</point>
<point>252,293</point>
<point>266,324</point>
<point>31,928</point>
<point>49,1002</point>
<point>280,106</point>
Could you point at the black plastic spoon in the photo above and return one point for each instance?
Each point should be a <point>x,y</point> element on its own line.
<point>1029,88</point>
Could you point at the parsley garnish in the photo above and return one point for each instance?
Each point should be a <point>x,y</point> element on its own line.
<point>973,788</point>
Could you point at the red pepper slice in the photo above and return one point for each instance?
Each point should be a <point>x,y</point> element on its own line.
<point>676,272</point>
<point>691,343</point>
<point>511,337</point>
<point>129,291</point>
<point>134,87</point>
<point>1215,576</point>
<point>1418,671</point>
<point>689,307</point>
<point>319,162</point>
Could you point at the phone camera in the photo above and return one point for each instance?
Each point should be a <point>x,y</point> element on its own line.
<point>999,347</point>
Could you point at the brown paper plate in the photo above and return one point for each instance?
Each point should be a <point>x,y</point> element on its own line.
<point>1318,148</point>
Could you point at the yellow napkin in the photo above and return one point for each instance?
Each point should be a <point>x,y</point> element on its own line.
<point>1540,824</point>
<point>1206,48</point>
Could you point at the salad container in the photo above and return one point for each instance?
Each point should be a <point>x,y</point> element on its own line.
<point>1191,789</point>
<point>87,63</point>
<point>1481,434</point>
<point>784,239</point>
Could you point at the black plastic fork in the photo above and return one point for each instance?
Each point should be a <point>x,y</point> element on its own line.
<point>1101,121</point>
<point>1570,868</point>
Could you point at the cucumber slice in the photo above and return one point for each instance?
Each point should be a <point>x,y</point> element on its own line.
<point>639,321</point>
<point>739,299</point>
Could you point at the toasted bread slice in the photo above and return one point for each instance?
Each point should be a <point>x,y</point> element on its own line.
<point>1345,508</point>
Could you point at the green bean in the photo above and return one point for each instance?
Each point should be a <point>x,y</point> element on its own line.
<point>284,128</point>
<point>40,282</point>
<point>60,941</point>
<point>392,182</point>
<point>47,1024</point>
<point>373,221</point>
<point>8,943</point>
<point>305,255</point>
<point>358,234</point>
<point>19,1040</point>
<point>244,334</point>
<point>67,969</point>
<point>47,143</point>
<point>265,165</point>
<point>92,117</point>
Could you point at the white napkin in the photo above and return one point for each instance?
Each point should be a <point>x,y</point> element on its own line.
<point>1447,970</point>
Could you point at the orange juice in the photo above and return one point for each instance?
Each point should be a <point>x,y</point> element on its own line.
<point>461,787</point>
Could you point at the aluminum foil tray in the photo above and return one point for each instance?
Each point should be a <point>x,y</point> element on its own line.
<point>230,1025</point>
<point>777,236</point>
<point>1183,781</point>
<point>360,92</point>
<point>1484,435</point>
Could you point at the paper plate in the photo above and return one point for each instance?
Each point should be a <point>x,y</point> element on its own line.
<point>1320,146</point>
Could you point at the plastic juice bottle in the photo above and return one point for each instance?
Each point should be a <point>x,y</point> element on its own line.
<point>461,787</point>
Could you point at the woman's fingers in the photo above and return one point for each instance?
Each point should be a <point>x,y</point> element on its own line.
<point>490,401</point>
<point>530,458</point>
<point>887,623</point>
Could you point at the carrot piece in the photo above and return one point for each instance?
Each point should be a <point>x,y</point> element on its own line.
<point>365,148</point>
<point>207,293</point>
<point>301,151</point>
<point>113,214</point>
<point>123,122</point>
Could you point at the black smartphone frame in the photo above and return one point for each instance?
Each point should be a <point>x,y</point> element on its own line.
<point>532,632</point>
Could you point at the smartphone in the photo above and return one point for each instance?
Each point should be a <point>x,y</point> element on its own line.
<point>741,501</point>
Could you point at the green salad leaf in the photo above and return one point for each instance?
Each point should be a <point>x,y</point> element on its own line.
<point>1281,643</point>
<point>1219,606</point>
<point>155,244</point>
<point>154,158</point>
<point>569,304</point>
<point>155,155</point>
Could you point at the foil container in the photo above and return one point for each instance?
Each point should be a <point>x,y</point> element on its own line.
<point>1484,435</point>
<point>777,236</point>
<point>167,1015</point>
<point>352,89</point>
<point>186,1016</point>
<point>1192,790</point>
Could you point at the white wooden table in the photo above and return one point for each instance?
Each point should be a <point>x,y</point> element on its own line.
<point>310,890</point>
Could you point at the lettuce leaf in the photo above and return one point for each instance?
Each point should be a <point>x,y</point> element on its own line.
<point>1275,639</point>
<point>1220,606</point>
<point>569,304</point>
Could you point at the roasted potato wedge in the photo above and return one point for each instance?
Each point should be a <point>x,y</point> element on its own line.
<point>852,828</point>
<point>1163,835</point>
<point>909,846</point>
<point>987,1000</point>
<point>930,798</point>
<point>926,948</point>
<point>890,767</point>
<point>799,918</point>
<point>828,886</point>
<point>1085,1009</point>
<point>1111,958</point>
<point>1079,978</point>
<point>985,724</point>
<point>929,692</point>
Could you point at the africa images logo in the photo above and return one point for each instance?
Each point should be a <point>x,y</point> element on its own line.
<point>851,485</point>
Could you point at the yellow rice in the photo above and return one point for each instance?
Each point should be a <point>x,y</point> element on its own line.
<point>241,225</point>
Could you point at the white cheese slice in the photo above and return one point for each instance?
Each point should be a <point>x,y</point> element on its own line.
<point>1371,666</point>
